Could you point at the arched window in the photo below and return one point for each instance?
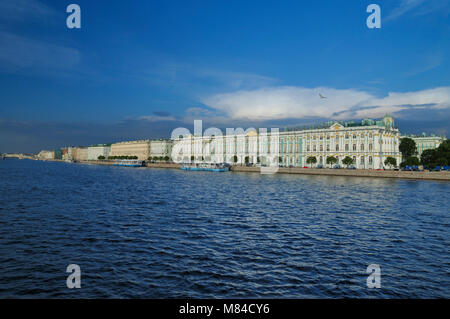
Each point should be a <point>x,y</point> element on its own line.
<point>337,147</point>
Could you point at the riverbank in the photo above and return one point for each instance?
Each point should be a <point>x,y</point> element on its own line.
<point>441,176</point>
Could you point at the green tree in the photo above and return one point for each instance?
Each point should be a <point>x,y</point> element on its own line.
<point>390,161</point>
<point>410,161</point>
<point>311,160</point>
<point>235,159</point>
<point>428,158</point>
<point>247,159</point>
<point>166,158</point>
<point>192,158</point>
<point>347,161</point>
<point>407,147</point>
<point>100,157</point>
<point>331,160</point>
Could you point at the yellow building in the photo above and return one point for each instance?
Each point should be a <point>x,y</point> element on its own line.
<point>141,149</point>
<point>80,153</point>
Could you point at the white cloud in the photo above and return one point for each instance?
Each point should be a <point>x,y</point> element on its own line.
<point>157,118</point>
<point>417,8</point>
<point>298,102</point>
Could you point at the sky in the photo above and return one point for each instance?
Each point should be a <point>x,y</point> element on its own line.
<point>140,68</point>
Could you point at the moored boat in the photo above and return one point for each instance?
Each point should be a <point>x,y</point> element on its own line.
<point>129,163</point>
<point>206,167</point>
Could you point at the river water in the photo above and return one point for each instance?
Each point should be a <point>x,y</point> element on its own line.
<point>161,233</point>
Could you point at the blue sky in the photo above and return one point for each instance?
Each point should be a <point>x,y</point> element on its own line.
<point>139,69</point>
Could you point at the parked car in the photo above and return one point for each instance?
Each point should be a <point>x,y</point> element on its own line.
<point>337,166</point>
<point>305,167</point>
<point>291,166</point>
<point>320,166</point>
<point>351,167</point>
<point>407,168</point>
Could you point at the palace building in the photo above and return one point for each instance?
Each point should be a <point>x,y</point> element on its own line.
<point>426,142</point>
<point>140,148</point>
<point>368,143</point>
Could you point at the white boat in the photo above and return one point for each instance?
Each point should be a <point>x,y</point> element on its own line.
<point>129,163</point>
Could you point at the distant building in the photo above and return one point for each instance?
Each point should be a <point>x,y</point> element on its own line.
<point>66,153</point>
<point>161,148</point>
<point>426,142</point>
<point>98,150</point>
<point>368,143</point>
<point>80,153</point>
<point>46,155</point>
<point>141,149</point>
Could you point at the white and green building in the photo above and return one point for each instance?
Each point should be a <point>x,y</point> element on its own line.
<point>368,143</point>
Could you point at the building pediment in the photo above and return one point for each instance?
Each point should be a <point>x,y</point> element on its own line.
<point>336,126</point>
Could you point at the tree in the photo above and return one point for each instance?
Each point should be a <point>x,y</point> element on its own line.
<point>390,161</point>
<point>410,161</point>
<point>235,159</point>
<point>407,147</point>
<point>331,160</point>
<point>166,158</point>
<point>192,158</point>
<point>247,160</point>
<point>347,161</point>
<point>429,157</point>
<point>311,160</point>
<point>100,157</point>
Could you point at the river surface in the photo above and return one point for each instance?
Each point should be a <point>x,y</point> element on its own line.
<point>164,233</point>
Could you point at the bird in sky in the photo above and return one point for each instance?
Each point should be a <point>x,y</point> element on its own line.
<point>322,97</point>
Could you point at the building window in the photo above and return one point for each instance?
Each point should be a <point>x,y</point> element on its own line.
<point>362,159</point>
<point>370,159</point>
<point>370,147</point>
<point>321,148</point>
<point>346,147</point>
<point>362,147</point>
<point>354,147</point>
<point>370,135</point>
<point>308,148</point>
<point>346,136</point>
<point>314,148</point>
<point>328,147</point>
<point>354,135</point>
<point>337,147</point>
<point>328,137</point>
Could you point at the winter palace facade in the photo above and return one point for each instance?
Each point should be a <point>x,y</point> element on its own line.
<point>368,143</point>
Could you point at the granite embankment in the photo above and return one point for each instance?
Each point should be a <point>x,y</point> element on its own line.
<point>441,176</point>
